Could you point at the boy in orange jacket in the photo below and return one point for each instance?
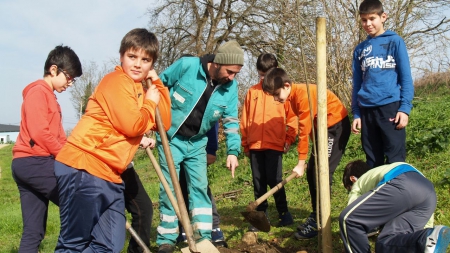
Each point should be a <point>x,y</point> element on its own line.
<point>278,84</point>
<point>40,139</point>
<point>103,143</point>
<point>265,139</point>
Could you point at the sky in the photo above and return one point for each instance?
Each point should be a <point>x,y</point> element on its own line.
<point>29,30</point>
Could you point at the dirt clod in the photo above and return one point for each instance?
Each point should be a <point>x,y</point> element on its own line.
<point>250,238</point>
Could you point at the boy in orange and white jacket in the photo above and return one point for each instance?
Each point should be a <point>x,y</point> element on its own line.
<point>88,167</point>
<point>278,84</point>
<point>268,128</point>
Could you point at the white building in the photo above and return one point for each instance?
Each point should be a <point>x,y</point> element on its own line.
<point>8,133</point>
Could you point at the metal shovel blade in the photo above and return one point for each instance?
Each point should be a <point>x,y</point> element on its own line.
<point>258,219</point>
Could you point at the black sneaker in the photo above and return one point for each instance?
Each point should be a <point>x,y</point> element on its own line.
<point>217,235</point>
<point>166,248</point>
<point>308,232</point>
<point>310,221</point>
<point>218,239</point>
<point>285,219</point>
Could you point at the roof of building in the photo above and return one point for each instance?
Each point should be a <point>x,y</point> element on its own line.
<point>9,128</point>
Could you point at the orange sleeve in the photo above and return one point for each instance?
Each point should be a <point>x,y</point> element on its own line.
<point>244,121</point>
<point>291,123</point>
<point>304,126</point>
<point>121,105</point>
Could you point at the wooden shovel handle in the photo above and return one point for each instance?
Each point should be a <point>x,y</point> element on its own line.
<point>175,183</point>
<point>252,206</point>
<point>137,238</point>
<point>163,180</point>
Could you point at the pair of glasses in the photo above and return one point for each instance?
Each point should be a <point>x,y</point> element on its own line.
<point>69,79</point>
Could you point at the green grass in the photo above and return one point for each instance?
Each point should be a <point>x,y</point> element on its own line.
<point>428,142</point>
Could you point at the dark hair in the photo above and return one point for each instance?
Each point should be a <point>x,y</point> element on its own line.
<point>266,61</point>
<point>275,79</point>
<point>140,38</point>
<point>65,58</point>
<point>371,7</point>
<point>357,169</point>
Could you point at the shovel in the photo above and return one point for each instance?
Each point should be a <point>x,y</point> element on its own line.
<point>205,245</point>
<point>137,238</point>
<point>258,218</point>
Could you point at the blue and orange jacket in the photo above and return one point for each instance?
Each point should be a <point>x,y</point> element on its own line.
<point>107,136</point>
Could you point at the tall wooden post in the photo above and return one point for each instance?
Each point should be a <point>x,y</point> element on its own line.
<point>322,135</point>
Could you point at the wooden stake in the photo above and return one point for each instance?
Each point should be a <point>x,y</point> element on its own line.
<point>322,135</point>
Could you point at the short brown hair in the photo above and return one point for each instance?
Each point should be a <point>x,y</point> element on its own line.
<point>275,79</point>
<point>140,38</point>
<point>371,7</point>
<point>266,61</point>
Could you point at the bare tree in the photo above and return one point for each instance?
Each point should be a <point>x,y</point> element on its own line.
<point>85,85</point>
<point>287,29</point>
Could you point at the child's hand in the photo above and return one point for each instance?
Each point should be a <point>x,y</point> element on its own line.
<point>153,94</point>
<point>401,119</point>
<point>356,126</point>
<point>300,168</point>
<point>147,142</point>
<point>286,147</point>
<point>152,75</point>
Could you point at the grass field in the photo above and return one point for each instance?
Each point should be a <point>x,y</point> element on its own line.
<point>428,136</point>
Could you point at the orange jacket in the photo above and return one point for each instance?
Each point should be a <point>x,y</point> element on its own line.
<point>299,103</point>
<point>41,131</point>
<point>266,123</point>
<point>107,136</point>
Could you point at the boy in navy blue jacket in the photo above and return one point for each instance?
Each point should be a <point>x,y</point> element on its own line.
<point>382,89</point>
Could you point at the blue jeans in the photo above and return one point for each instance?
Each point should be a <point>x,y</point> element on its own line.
<point>92,212</point>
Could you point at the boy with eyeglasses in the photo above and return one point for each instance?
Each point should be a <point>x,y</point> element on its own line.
<point>40,139</point>
<point>89,166</point>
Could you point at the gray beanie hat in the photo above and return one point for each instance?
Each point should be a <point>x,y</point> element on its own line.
<point>230,53</point>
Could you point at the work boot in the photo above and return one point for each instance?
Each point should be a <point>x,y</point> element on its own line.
<point>285,219</point>
<point>166,248</point>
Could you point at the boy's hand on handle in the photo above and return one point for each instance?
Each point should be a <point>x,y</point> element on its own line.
<point>153,94</point>
<point>232,163</point>
<point>299,168</point>
<point>147,142</point>
<point>152,75</point>
<point>401,119</point>
<point>356,126</point>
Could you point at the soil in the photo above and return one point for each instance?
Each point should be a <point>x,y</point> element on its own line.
<point>251,244</point>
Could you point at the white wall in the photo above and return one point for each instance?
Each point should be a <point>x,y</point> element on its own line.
<point>9,136</point>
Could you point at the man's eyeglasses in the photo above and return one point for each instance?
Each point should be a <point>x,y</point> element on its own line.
<point>68,77</point>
